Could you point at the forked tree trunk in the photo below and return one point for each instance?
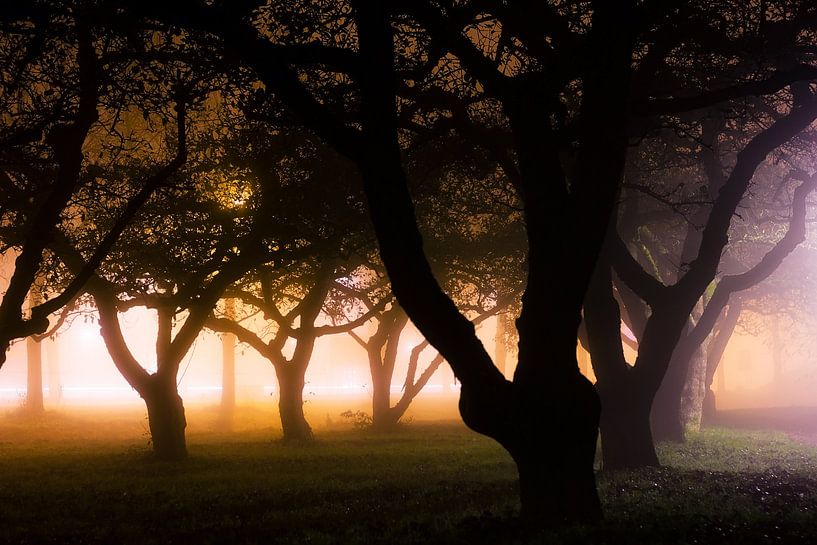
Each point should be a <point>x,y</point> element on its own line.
<point>291,402</point>
<point>166,419</point>
<point>626,392</point>
<point>709,409</point>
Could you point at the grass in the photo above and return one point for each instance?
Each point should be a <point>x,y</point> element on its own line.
<point>62,481</point>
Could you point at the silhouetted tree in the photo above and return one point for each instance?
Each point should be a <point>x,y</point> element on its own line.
<point>187,244</point>
<point>666,339</point>
<point>549,90</point>
<point>318,207</point>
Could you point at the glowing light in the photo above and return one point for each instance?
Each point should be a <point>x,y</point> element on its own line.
<point>87,332</point>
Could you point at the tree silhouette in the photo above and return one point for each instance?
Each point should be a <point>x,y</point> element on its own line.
<point>553,93</point>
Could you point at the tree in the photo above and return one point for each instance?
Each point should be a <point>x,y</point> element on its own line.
<point>319,208</point>
<point>148,267</point>
<point>547,92</point>
<point>665,336</point>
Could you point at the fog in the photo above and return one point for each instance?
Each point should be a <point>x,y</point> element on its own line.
<point>78,372</point>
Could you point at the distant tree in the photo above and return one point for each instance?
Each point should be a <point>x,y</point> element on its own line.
<point>319,209</point>
<point>784,302</point>
<point>190,239</point>
<point>181,286</point>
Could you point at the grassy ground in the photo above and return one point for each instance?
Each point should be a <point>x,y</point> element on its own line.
<point>64,482</point>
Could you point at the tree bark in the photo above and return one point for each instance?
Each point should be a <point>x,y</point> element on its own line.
<point>666,408</point>
<point>626,435</point>
<point>383,417</point>
<point>694,392</point>
<point>34,359</point>
<point>166,419</point>
<point>34,377</point>
<point>626,394</point>
<point>291,402</point>
<point>552,438</point>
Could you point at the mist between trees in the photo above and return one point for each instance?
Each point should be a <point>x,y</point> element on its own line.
<point>280,172</point>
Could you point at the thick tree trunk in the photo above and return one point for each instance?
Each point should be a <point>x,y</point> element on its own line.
<point>34,377</point>
<point>626,435</point>
<point>709,409</point>
<point>166,419</point>
<point>626,392</point>
<point>548,417</point>
<point>291,402</point>
<point>552,436</point>
<point>383,417</point>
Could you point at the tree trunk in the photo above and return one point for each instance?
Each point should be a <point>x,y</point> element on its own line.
<point>291,402</point>
<point>626,395</point>
<point>34,354</point>
<point>383,417</point>
<point>166,419</point>
<point>552,436</point>
<point>709,409</point>
<point>692,398</point>
<point>626,434</point>
<point>34,377</point>
<point>666,408</point>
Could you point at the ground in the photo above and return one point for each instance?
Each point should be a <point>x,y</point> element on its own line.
<point>88,478</point>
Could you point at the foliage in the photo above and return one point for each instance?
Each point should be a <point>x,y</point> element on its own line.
<point>359,419</point>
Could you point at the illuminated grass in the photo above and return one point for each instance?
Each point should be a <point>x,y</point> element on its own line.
<point>425,484</point>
